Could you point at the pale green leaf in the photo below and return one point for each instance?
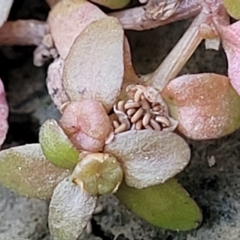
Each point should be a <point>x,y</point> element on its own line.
<point>113,4</point>
<point>149,157</point>
<point>70,210</point>
<point>166,205</point>
<point>233,8</point>
<point>56,146</point>
<point>25,170</point>
<point>94,67</point>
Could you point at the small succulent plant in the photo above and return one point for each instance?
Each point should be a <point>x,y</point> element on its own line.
<point>120,133</point>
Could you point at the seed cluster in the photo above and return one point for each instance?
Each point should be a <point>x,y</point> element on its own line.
<point>141,114</point>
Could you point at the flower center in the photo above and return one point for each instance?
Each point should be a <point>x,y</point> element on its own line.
<point>144,109</point>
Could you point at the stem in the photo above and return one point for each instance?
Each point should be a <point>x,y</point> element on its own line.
<point>135,18</point>
<point>179,55</point>
<point>23,32</point>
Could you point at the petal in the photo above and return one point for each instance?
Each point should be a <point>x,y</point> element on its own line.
<point>25,169</point>
<point>166,205</point>
<point>70,210</point>
<point>233,8</point>
<point>63,19</point>
<point>3,114</point>
<point>205,105</point>
<point>56,146</point>
<point>54,83</point>
<point>149,157</point>
<point>94,68</point>
<point>87,124</point>
<point>5,7</point>
<point>113,4</point>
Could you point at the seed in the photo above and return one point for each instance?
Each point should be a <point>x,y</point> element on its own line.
<point>139,124</point>
<point>120,105</point>
<point>148,127</point>
<point>131,105</point>
<point>155,125</point>
<point>138,114</point>
<point>137,95</point>
<point>156,108</point>
<point>146,119</point>
<point>163,120</point>
<point>131,111</point>
<point>145,104</point>
<point>116,124</point>
<point>121,128</point>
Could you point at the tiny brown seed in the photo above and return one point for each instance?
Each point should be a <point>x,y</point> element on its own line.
<point>138,114</point>
<point>137,95</point>
<point>139,124</point>
<point>155,125</point>
<point>121,128</point>
<point>120,105</point>
<point>156,108</point>
<point>131,111</point>
<point>145,104</point>
<point>163,120</point>
<point>146,118</point>
<point>131,105</point>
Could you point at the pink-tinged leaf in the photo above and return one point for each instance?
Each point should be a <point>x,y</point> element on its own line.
<point>149,157</point>
<point>70,210</point>
<point>54,83</point>
<point>205,105</point>
<point>87,124</point>
<point>230,36</point>
<point>67,20</point>
<point>112,4</point>
<point>3,114</point>
<point>94,68</point>
<point>25,170</point>
<point>5,6</point>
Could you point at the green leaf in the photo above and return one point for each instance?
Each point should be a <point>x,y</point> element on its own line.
<point>166,205</point>
<point>25,170</point>
<point>56,146</point>
<point>233,8</point>
<point>113,4</point>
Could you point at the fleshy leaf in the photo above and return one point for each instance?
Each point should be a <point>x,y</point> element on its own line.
<point>70,210</point>
<point>149,157</point>
<point>98,173</point>
<point>65,16</point>
<point>94,68</point>
<point>25,170</point>
<point>112,4</point>
<point>233,8</point>
<point>205,105</point>
<point>87,125</point>
<point>56,146</point>
<point>230,36</point>
<point>3,114</point>
<point>54,83</point>
<point>5,6</point>
<point>166,205</point>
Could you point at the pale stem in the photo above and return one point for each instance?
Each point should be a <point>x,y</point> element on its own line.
<point>23,32</point>
<point>5,6</point>
<point>135,18</point>
<point>179,55</point>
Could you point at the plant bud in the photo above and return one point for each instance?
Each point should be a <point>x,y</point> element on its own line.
<point>98,173</point>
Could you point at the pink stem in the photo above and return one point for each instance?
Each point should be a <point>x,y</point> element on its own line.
<point>23,32</point>
<point>135,18</point>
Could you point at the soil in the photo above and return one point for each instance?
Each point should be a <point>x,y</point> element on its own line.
<point>215,188</point>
